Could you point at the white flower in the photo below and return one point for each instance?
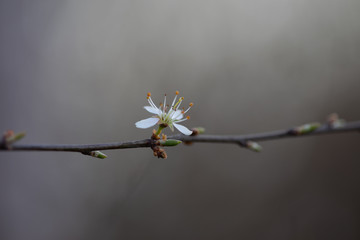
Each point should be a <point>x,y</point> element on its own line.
<point>170,118</point>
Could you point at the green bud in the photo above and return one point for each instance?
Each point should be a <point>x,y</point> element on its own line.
<point>253,146</point>
<point>169,142</point>
<point>200,130</point>
<point>307,128</point>
<point>98,154</point>
<point>14,137</point>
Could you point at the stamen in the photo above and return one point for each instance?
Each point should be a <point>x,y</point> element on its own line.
<point>152,103</point>
<point>164,106</point>
<point>173,106</point>
<point>173,101</point>
<point>182,98</point>
<point>148,95</point>
<point>176,106</point>
<point>190,105</point>
<point>181,120</point>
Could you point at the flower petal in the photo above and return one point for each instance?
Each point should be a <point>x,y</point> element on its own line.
<point>146,123</point>
<point>177,115</point>
<point>153,110</point>
<point>182,129</point>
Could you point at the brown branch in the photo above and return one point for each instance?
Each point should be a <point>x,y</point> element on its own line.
<point>238,139</point>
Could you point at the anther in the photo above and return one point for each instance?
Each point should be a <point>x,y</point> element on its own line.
<point>177,92</point>
<point>188,117</point>
<point>148,95</point>
<point>191,104</point>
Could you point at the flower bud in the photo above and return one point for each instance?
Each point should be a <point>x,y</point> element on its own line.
<point>197,130</point>
<point>98,154</point>
<point>9,137</point>
<point>306,128</point>
<point>335,122</point>
<point>253,146</point>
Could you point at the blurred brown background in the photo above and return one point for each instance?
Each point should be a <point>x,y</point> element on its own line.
<point>79,71</point>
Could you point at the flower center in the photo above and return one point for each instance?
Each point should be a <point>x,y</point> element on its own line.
<point>172,115</point>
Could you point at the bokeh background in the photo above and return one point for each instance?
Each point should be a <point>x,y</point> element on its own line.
<point>79,71</point>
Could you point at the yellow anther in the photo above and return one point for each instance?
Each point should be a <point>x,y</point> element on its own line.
<point>148,95</point>
<point>177,92</point>
<point>191,104</point>
<point>188,117</point>
<point>182,98</point>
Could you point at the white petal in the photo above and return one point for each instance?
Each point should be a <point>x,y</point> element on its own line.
<point>182,129</point>
<point>177,115</point>
<point>146,123</point>
<point>153,110</point>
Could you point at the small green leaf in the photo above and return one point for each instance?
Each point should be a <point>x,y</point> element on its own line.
<point>169,142</point>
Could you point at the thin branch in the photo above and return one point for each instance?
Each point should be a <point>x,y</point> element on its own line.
<point>258,137</point>
<point>238,139</point>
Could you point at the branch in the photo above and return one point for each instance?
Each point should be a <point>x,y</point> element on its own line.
<point>242,140</point>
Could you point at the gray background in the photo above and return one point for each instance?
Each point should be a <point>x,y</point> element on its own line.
<point>79,71</point>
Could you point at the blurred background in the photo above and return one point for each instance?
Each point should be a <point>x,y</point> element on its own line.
<point>79,71</point>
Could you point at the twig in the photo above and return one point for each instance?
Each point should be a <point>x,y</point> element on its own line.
<point>238,139</point>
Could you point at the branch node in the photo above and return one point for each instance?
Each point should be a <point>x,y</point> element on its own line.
<point>197,131</point>
<point>242,143</point>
